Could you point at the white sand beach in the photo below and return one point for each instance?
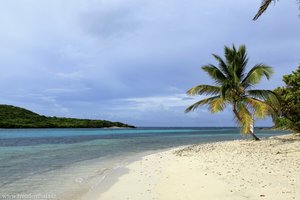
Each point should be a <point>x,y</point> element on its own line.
<point>241,169</point>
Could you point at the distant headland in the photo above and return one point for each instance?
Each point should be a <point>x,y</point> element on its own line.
<point>16,117</point>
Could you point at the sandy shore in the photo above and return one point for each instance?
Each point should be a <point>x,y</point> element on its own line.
<point>268,169</point>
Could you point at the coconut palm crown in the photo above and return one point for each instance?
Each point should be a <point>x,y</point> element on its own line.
<point>233,86</point>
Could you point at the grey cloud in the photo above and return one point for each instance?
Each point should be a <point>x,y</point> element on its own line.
<point>111,20</point>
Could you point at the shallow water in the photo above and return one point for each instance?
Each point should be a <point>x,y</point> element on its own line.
<point>68,163</point>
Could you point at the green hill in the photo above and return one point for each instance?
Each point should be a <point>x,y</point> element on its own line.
<point>16,117</point>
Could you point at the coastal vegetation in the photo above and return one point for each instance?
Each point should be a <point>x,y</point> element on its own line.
<point>16,117</point>
<point>233,86</point>
<point>289,110</point>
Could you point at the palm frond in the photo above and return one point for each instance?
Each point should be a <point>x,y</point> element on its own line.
<point>246,118</point>
<point>202,102</point>
<point>241,62</point>
<point>236,62</point>
<point>229,56</point>
<point>217,105</point>
<point>242,49</point>
<point>215,73</point>
<point>264,95</point>
<point>270,98</point>
<point>265,4</point>
<point>224,88</point>
<point>260,108</point>
<point>256,73</point>
<point>203,89</point>
<point>222,64</point>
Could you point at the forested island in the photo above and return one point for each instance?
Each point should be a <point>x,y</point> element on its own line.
<point>16,117</point>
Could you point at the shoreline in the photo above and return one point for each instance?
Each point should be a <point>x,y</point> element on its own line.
<point>238,169</point>
<point>120,169</point>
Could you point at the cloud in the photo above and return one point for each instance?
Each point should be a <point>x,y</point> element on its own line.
<point>111,19</point>
<point>163,110</point>
<point>71,75</point>
<point>158,103</point>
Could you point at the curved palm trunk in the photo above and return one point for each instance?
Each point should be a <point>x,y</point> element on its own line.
<point>240,119</point>
<point>254,136</point>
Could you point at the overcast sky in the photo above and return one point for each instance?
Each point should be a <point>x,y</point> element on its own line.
<point>133,60</point>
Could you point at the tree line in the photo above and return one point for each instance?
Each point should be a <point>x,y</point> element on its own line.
<point>16,117</point>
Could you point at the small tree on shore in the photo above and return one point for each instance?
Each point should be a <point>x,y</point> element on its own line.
<point>233,87</point>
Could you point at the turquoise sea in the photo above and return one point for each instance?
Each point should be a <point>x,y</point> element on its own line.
<point>72,163</point>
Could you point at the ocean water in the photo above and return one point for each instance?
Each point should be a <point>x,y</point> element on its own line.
<point>72,163</point>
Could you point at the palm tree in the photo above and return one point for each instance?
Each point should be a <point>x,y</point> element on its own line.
<point>233,87</point>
